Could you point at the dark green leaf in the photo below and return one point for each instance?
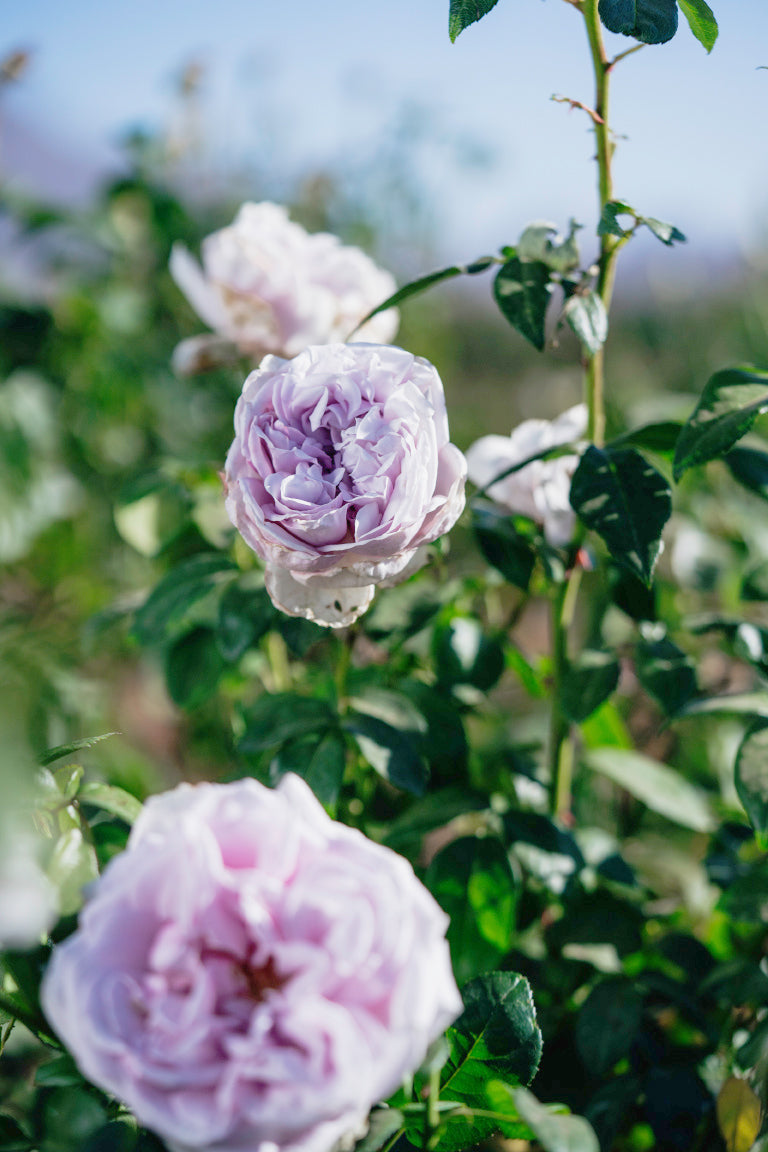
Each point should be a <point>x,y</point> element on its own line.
<point>747,897</point>
<point>659,437</point>
<point>495,1037</point>
<point>12,1138</point>
<point>444,742</point>
<point>607,1024</point>
<point>435,810</point>
<point>522,290</point>
<point>245,615</point>
<point>701,21</point>
<point>61,1072</point>
<point>750,641</point>
<point>463,654</point>
<point>660,788</point>
<point>319,758</point>
<point>751,775</point>
<point>62,750</point>
<point>586,314</point>
<point>664,670</point>
<point>750,467</point>
<point>729,405</point>
<point>542,833</point>
<point>466,12</point>
<point>182,587</point>
<point>595,918</point>
<point>587,683</point>
<point>117,1136</point>
<point>472,881</point>
<point>193,667</point>
<point>273,719</point>
<point>394,754</point>
<point>554,1132</point>
<point>755,584</point>
<point>619,495</point>
<point>506,549</point>
<point>70,1117</point>
<point>651,21</point>
<point>541,242</point>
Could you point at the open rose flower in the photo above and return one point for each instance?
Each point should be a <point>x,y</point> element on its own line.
<point>249,975</point>
<point>271,287</point>
<point>542,488</point>
<point>340,469</point>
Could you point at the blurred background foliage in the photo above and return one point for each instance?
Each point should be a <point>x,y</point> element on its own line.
<point>127,606</point>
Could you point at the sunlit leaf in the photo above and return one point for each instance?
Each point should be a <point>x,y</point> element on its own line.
<point>701,21</point>
<point>751,775</point>
<point>738,1114</point>
<point>554,1131</point>
<point>465,12</point>
<point>586,314</point>
<point>660,788</point>
<point>729,405</point>
<point>522,290</point>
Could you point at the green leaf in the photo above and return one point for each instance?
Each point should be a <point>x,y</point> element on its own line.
<point>70,1117</point>
<point>245,615</point>
<point>496,1036</point>
<point>112,799</point>
<point>71,867</point>
<point>319,758</point>
<point>664,670</point>
<point>553,1131</point>
<point>182,587</point>
<point>588,682</point>
<point>465,12</point>
<point>738,1115</point>
<point>118,1136</point>
<point>276,718</point>
<point>747,897</point>
<point>12,1138</point>
<point>609,220</point>
<point>507,550</point>
<point>729,405</point>
<point>755,584</point>
<point>193,667</point>
<point>651,21</point>
<point>434,810</point>
<point>735,703</point>
<point>473,883</point>
<point>750,641</point>
<point>586,314</point>
<point>60,1072</point>
<point>463,654</point>
<point>537,243</point>
<point>667,233</point>
<point>395,755</point>
<point>750,467</point>
<point>62,750</point>
<point>658,437</point>
<point>751,775</point>
<point>658,787</point>
<point>522,291</point>
<point>701,21</point>
<point>619,495</point>
<point>415,287</point>
<point>607,1024</point>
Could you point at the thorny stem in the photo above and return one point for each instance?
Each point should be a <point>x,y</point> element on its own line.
<point>561,744</point>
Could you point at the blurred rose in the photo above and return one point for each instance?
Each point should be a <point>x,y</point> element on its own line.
<point>340,469</point>
<point>27,899</point>
<point>250,975</point>
<point>541,489</point>
<point>269,286</point>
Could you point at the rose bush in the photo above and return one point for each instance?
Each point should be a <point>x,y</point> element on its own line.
<point>341,468</point>
<point>250,974</point>
<point>542,488</point>
<point>269,286</point>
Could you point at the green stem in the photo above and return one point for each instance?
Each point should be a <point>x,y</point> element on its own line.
<point>561,745</point>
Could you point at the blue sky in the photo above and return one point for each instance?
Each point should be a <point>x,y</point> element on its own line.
<point>297,83</point>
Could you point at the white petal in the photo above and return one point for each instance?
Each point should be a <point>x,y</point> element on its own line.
<point>332,606</point>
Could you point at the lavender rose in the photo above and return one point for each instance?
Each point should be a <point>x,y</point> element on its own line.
<point>269,286</point>
<point>250,975</point>
<point>542,488</point>
<point>340,469</point>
